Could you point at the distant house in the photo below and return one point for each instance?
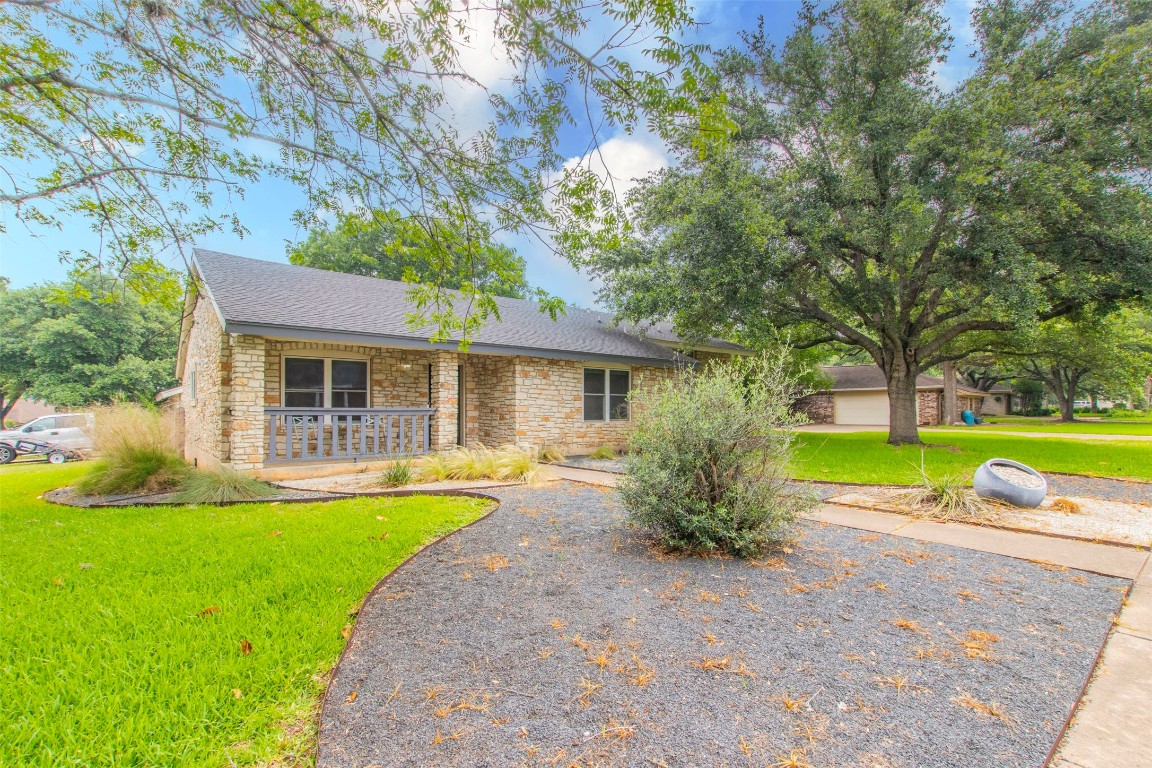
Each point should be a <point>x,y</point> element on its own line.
<point>282,364</point>
<point>859,396</point>
<point>997,401</point>
<point>26,410</point>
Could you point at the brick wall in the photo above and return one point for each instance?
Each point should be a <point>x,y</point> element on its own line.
<point>929,407</point>
<point>820,408</point>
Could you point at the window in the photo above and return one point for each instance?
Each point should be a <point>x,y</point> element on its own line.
<point>606,394</point>
<point>325,383</point>
<point>41,425</point>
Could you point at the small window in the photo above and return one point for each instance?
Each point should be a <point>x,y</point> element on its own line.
<point>192,386</point>
<point>303,383</point>
<point>606,394</point>
<point>325,383</point>
<point>349,384</point>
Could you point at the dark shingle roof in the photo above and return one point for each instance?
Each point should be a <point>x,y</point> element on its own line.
<point>270,298</point>
<point>849,377</point>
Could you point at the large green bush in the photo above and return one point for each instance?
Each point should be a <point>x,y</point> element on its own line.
<point>709,454</point>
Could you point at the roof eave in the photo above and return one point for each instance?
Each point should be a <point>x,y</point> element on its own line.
<point>413,342</point>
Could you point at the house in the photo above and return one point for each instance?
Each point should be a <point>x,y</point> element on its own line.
<point>859,395</point>
<point>997,401</point>
<point>281,364</point>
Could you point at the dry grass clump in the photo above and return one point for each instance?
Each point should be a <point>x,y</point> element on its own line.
<point>507,463</point>
<point>968,701</point>
<point>604,452</point>
<point>138,451</point>
<point>947,498</point>
<point>1067,506</point>
<point>214,487</point>
<point>550,454</point>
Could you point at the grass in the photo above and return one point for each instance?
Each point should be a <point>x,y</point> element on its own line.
<point>864,457</point>
<point>397,474</point>
<point>506,463</point>
<point>946,498</point>
<point>603,453</point>
<point>183,636</point>
<point>1042,424</point>
<point>210,487</point>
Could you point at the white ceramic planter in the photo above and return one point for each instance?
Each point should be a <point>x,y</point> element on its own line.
<point>989,485</point>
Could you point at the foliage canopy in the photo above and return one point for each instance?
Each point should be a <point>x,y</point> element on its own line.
<point>864,205</point>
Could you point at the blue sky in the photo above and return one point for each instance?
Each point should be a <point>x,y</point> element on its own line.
<point>28,256</point>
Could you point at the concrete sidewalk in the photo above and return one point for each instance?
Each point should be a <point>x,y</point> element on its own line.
<point>1111,726</point>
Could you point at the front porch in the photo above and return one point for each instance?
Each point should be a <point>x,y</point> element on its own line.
<point>294,402</point>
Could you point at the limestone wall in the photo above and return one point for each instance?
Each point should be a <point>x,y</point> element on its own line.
<point>549,406</point>
<point>206,381</point>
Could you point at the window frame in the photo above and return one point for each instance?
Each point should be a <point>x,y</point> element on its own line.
<point>607,395</point>
<point>326,398</point>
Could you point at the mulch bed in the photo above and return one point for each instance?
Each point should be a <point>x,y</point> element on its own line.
<point>69,497</point>
<point>552,634</point>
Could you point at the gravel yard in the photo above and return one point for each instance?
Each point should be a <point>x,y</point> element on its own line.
<point>551,634</point>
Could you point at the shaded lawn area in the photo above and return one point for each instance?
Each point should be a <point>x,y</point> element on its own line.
<point>1025,424</point>
<point>123,630</point>
<point>865,457</point>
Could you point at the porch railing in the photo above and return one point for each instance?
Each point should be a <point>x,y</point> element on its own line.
<point>312,434</point>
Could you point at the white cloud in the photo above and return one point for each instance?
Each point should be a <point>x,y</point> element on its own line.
<point>622,161</point>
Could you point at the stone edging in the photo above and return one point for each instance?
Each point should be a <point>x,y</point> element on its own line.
<point>997,526</point>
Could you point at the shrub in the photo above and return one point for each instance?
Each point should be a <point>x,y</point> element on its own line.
<point>708,458</point>
<point>138,451</point>
<point>946,498</point>
<point>604,452</point>
<point>507,463</point>
<point>550,454</point>
<point>212,487</point>
<point>399,473</point>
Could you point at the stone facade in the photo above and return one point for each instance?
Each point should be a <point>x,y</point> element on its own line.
<point>207,384</point>
<point>820,408</point>
<point>549,404</point>
<point>506,399</point>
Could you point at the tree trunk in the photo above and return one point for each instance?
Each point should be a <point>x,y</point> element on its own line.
<point>1095,403</point>
<point>950,406</point>
<point>1067,406</point>
<point>902,419</point>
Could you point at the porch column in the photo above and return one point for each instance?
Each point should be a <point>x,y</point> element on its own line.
<point>444,398</point>
<point>246,404</point>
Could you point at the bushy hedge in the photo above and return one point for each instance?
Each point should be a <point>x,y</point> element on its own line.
<point>709,456</point>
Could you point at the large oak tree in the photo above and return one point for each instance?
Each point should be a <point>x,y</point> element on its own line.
<point>864,205</point>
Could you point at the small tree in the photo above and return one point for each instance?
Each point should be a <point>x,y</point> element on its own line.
<point>709,458</point>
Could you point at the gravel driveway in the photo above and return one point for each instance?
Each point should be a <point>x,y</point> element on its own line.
<point>550,634</point>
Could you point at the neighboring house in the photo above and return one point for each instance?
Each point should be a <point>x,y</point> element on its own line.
<point>280,363</point>
<point>859,396</point>
<point>997,401</point>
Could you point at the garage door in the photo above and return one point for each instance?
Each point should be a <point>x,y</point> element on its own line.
<point>865,408</point>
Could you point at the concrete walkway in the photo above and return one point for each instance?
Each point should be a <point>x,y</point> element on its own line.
<point>846,428</point>
<point>1111,726</point>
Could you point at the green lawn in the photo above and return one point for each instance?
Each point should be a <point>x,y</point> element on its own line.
<point>121,630</point>
<point>1025,424</point>
<point>864,457</point>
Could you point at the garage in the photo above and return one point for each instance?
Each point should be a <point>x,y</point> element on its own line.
<point>861,408</point>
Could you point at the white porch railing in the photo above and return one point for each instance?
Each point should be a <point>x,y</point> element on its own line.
<point>313,434</point>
